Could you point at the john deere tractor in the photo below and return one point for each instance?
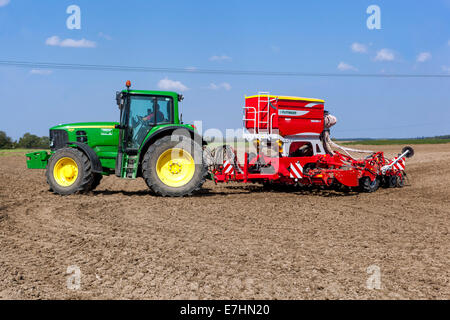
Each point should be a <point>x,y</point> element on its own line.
<point>150,141</point>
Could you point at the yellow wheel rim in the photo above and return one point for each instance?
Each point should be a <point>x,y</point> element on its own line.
<point>65,172</point>
<point>175,167</point>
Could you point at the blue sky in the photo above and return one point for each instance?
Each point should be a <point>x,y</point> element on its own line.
<point>303,36</point>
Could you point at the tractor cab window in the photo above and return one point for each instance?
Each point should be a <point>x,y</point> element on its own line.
<point>164,109</point>
<point>146,112</point>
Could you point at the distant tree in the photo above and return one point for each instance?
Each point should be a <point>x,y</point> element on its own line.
<point>31,141</point>
<point>5,141</point>
<point>45,143</point>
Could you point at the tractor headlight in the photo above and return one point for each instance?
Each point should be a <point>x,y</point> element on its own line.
<point>52,142</point>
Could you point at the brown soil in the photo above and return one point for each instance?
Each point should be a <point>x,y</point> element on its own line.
<point>232,241</point>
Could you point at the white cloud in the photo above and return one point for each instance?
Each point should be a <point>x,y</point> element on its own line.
<point>423,56</point>
<point>83,43</point>
<point>385,55</point>
<point>220,58</point>
<point>167,84</point>
<point>346,67</point>
<point>4,3</point>
<point>105,36</point>
<point>70,43</point>
<point>224,85</point>
<point>446,69</point>
<point>53,41</point>
<point>448,43</point>
<point>41,72</point>
<point>359,47</point>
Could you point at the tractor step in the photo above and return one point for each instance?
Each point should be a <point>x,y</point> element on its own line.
<point>131,166</point>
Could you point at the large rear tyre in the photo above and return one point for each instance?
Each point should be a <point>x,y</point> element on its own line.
<point>174,166</point>
<point>69,171</point>
<point>366,185</point>
<point>96,180</point>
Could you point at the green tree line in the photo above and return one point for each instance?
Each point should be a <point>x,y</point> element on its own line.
<point>27,141</point>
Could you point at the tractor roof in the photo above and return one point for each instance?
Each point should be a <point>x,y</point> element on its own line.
<point>286,98</point>
<point>151,92</point>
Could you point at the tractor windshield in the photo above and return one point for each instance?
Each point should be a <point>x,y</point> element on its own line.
<point>144,113</point>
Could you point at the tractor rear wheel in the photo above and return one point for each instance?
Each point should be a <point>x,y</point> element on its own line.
<point>96,181</point>
<point>69,171</point>
<point>366,185</point>
<point>174,166</point>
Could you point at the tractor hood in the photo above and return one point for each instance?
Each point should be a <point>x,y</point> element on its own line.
<point>85,125</point>
<point>98,135</point>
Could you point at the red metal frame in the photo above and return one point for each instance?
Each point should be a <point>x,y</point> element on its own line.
<point>292,116</point>
<point>324,170</point>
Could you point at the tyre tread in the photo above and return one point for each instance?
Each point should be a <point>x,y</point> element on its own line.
<point>159,188</point>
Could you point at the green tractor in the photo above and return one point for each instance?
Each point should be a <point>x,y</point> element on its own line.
<point>150,141</point>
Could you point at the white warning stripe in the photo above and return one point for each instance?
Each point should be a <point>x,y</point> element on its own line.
<point>296,170</point>
<point>399,165</point>
<point>228,168</point>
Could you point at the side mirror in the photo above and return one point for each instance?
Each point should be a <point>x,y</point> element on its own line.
<point>181,118</point>
<point>119,99</point>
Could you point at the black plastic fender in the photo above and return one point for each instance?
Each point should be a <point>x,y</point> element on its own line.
<point>168,131</point>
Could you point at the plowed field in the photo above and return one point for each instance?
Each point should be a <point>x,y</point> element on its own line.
<point>232,241</point>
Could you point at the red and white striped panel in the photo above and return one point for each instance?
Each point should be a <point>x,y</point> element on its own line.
<point>228,168</point>
<point>399,165</point>
<point>296,170</point>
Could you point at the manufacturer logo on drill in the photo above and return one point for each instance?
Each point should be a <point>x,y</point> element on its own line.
<point>291,113</point>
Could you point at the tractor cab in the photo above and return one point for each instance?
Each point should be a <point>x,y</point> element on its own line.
<point>141,111</point>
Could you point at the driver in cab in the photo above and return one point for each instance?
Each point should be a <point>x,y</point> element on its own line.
<point>151,115</point>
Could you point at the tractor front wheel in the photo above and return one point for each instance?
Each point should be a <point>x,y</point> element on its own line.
<point>69,171</point>
<point>174,166</point>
